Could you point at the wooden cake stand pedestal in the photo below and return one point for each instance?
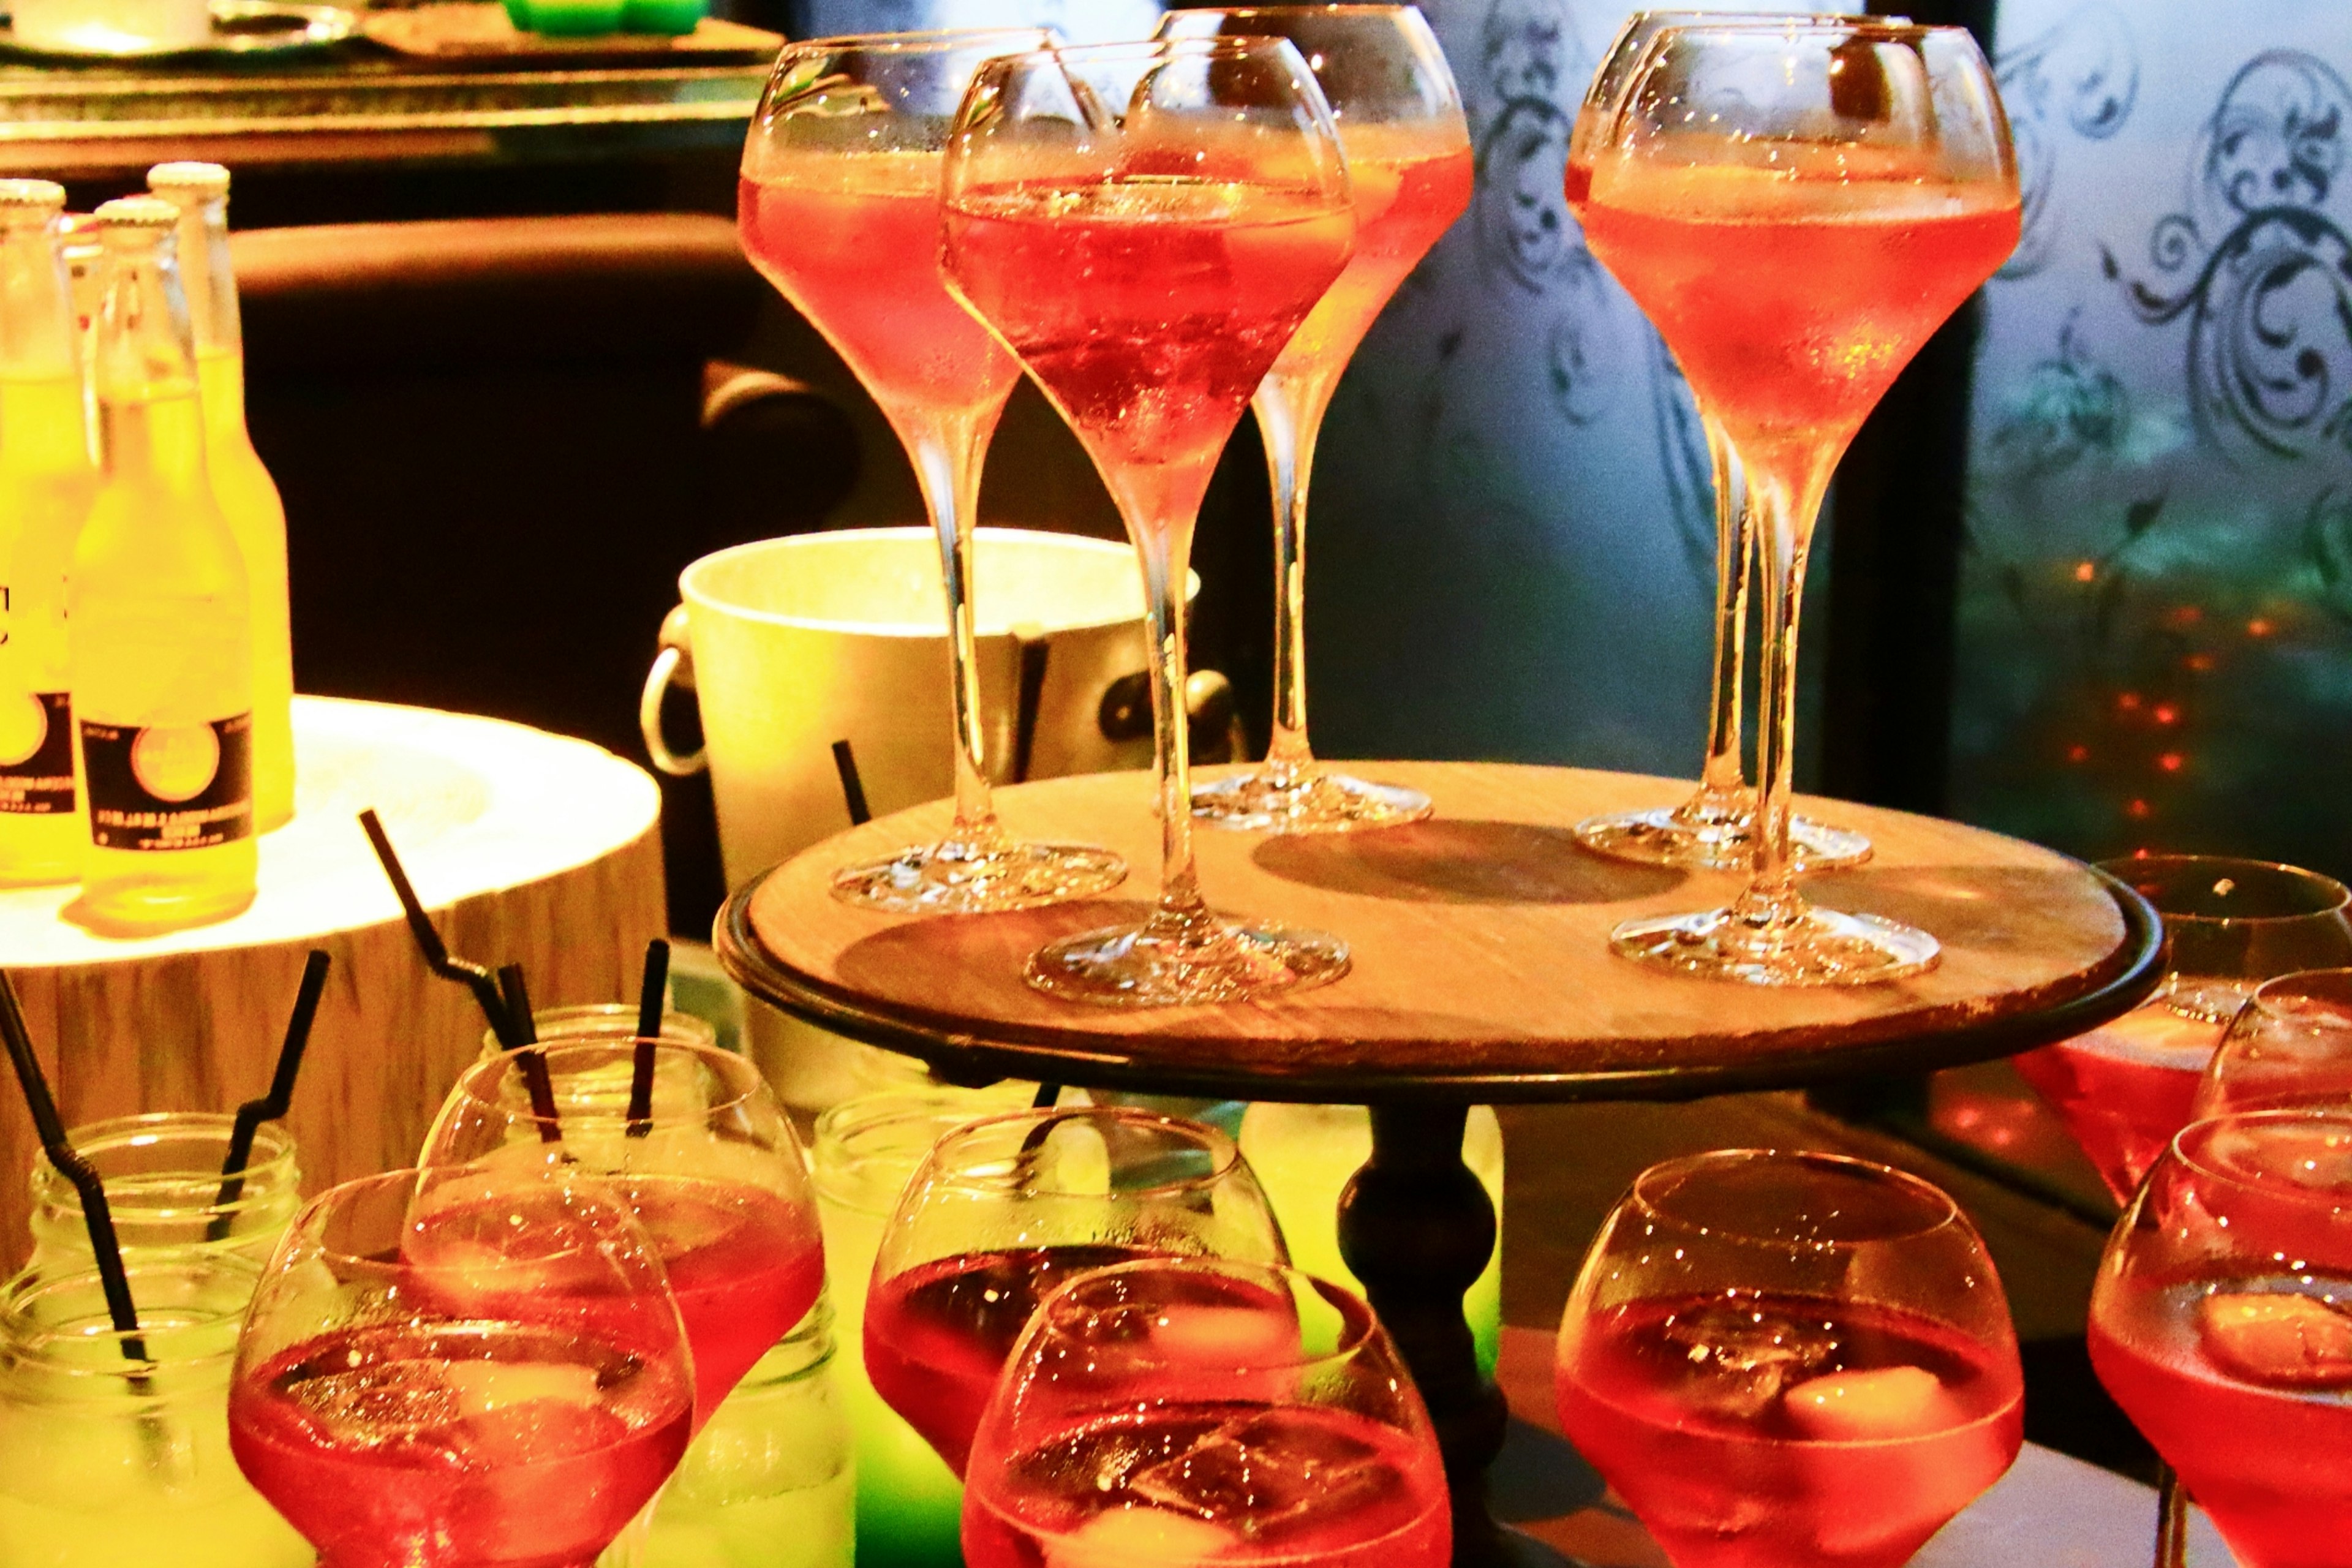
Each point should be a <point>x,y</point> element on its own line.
<point>1482,973</point>
<point>528,847</point>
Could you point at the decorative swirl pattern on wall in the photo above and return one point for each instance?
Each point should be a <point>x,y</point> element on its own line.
<point>2084,73</point>
<point>2268,304</point>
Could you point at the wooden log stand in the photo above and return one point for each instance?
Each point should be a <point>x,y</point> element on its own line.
<point>526,847</point>
<point>1482,973</point>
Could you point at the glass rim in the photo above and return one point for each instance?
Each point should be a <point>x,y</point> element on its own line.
<point>1808,26</point>
<point>2122,869</point>
<point>922,41</point>
<point>2334,982</point>
<point>112,1132</point>
<point>32,1283</point>
<point>614,1047</point>
<point>1361,1326</point>
<point>2186,1147</point>
<point>1225,1154</point>
<point>1646,1193</point>
<point>1212,45</point>
<point>1346,8</point>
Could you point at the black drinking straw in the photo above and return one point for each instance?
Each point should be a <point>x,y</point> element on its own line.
<point>112,1280</point>
<point>473,976</point>
<point>853,790</point>
<point>516,996</point>
<point>275,1104</point>
<point>650,992</point>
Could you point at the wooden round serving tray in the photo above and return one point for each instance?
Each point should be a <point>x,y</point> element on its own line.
<point>1481,964</point>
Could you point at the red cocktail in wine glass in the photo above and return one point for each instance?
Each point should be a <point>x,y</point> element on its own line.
<point>1146,227</point>
<point>1189,1411</point>
<point>1006,1211</point>
<point>713,1173</point>
<point>838,206</point>
<point>461,1369</point>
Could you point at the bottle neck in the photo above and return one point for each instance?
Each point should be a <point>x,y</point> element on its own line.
<point>151,423</point>
<point>37,322</point>
<point>209,277</point>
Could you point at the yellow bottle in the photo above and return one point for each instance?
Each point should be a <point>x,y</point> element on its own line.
<point>47,481</point>
<point>247,495</point>
<point>159,638</point>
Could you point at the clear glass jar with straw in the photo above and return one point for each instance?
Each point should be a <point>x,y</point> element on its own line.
<point>608,1093</point>
<point>768,1483</point>
<point>910,1504</point>
<point>114,1446</point>
<point>164,1187</point>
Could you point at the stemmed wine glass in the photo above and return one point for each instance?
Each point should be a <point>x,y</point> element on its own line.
<point>1146,225</point>
<point>2221,1322</point>
<point>1006,1210</point>
<point>2290,1046</point>
<point>1400,119</point>
<point>1797,210</point>
<point>2126,1088</point>
<point>1189,1411</point>
<point>468,1368</point>
<point>708,1165</point>
<point>1716,827</point>
<point>838,207</point>
<point>1790,1361</point>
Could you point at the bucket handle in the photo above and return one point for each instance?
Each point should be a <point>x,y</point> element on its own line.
<point>674,663</point>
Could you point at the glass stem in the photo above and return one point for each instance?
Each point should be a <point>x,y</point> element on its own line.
<point>1290,412</point>
<point>1784,503</point>
<point>947,454</point>
<point>1166,553</point>
<point>1724,776</point>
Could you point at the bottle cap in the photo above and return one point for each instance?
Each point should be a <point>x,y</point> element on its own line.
<point>135,217</point>
<point>30,201</point>
<point>194,181</point>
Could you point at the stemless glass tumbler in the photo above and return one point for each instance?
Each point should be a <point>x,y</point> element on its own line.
<point>1401,124</point>
<point>1797,210</point>
<point>1179,1412</point>
<point>711,1169</point>
<point>2289,1046</point>
<point>468,1368</point>
<point>2221,1322</point>
<point>1005,1210</point>
<point>1790,1361</point>
<point>1146,225</point>
<point>838,207</point>
<point>2126,1088</point>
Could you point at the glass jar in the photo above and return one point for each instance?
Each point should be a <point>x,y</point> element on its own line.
<point>910,1504</point>
<point>162,1176</point>
<point>105,1460</point>
<point>768,1483</point>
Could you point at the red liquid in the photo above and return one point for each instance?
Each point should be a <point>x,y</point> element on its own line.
<point>1225,1483</point>
<point>1793,298</point>
<point>488,1445</point>
<point>1757,1454</point>
<point>938,1336</point>
<point>2265,1457</point>
<point>1148,309</point>
<point>1410,183</point>
<point>744,1265</point>
<point>853,241</point>
<point>2126,1089</point>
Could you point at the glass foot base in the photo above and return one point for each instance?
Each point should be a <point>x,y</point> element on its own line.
<point>1813,947</point>
<point>1311,802</point>
<point>1172,961</point>
<point>1708,841</point>
<point>958,878</point>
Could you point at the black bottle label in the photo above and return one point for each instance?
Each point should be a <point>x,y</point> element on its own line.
<point>169,786</point>
<point>36,757</point>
